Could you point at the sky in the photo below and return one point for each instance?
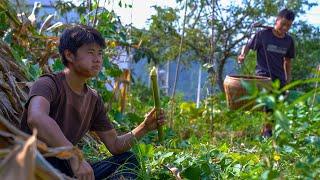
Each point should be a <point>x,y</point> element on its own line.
<point>141,11</point>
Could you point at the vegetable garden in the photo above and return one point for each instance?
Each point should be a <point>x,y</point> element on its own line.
<point>206,142</point>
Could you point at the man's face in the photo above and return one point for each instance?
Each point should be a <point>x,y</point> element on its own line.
<point>88,60</point>
<point>283,25</point>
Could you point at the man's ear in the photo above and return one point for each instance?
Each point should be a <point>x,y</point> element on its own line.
<point>69,56</point>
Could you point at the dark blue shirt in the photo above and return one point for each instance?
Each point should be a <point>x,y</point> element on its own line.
<point>271,51</point>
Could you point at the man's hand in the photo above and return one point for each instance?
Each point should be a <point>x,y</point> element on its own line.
<point>241,58</point>
<point>82,170</point>
<point>289,79</point>
<point>287,69</point>
<point>151,122</point>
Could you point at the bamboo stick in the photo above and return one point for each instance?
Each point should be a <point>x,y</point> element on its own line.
<point>156,98</point>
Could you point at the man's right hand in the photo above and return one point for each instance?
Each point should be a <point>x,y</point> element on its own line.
<point>82,170</point>
<point>241,58</point>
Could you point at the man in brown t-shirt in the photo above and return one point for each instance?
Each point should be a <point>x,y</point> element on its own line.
<point>63,108</point>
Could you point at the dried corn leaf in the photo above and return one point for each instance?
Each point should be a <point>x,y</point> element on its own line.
<point>25,162</point>
<point>7,110</point>
<point>4,143</point>
<point>46,23</point>
<point>17,70</point>
<point>9,131</point>
<point>20,163</point>
<point>10,96</point>
<point>12,84</point>
<point>6,139</point>
<point>21,93</point>
<point>4,152</point>
<point>6,126</point>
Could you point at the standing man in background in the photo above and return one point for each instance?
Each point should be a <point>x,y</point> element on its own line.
<point>275,49</point>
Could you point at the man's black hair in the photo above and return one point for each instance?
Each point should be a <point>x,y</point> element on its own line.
<point>286,13</point>
<point>76,36</point>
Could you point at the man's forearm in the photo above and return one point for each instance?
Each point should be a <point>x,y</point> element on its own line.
<point>245,50</point>
<point>126,141</point>
<point>49,131</point>
<point>287,69</point>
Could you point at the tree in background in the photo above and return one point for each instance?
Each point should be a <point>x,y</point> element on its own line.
<point>307,40</point>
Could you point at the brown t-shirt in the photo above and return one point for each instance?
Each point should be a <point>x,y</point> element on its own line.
<point>75,114</point>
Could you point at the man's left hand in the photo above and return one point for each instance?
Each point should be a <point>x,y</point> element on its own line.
<point>288,80</point>
<point>151,122</point>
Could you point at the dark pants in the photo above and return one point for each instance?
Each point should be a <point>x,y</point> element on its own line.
<point>124,165</point>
